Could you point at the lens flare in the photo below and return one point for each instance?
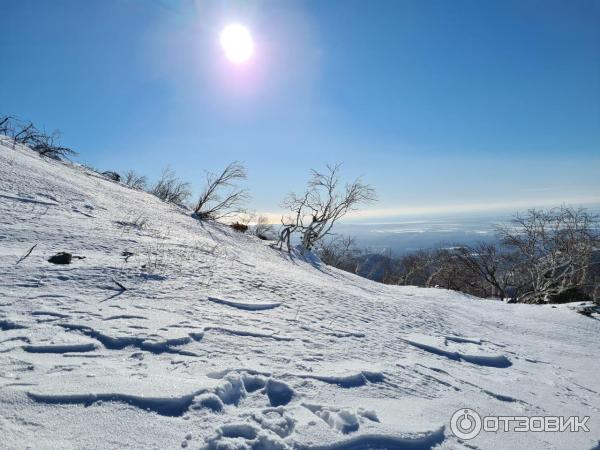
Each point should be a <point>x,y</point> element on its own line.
<point>237,43</point>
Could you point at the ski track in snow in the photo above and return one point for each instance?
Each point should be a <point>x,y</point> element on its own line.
<point>221,342</point>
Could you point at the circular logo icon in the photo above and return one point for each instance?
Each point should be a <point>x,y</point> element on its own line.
<point>465,424</point>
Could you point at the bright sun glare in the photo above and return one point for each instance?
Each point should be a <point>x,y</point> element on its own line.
<point>237,43</point>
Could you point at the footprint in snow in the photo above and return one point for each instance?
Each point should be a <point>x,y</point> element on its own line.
<point>344,420</point>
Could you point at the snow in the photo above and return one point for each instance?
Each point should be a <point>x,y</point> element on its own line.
<point>250,306</point>
<point>220,341</point>
<point>279,393</point>
<point>444,349</point>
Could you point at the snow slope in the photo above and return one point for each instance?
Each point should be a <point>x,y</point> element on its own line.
<point>222,342</point>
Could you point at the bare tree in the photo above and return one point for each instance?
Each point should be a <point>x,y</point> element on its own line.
<point>26,133</point>
<point>134,180</point>
<point>595,277</point>
<point>489,265</point>
<point>339,251</point>
<point>556,251</point>
<point>447,273</point>
<point>221,196</point>
<point>289,226</point>
<point>316,211</point>
<point>171,189</point>
<point>415,269</point>
<point>285,235</point>
<point>47,145</point>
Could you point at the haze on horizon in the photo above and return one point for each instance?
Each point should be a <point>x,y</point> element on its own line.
<point>444,107</point>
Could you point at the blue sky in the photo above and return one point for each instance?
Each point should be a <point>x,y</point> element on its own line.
<point>444,106</point>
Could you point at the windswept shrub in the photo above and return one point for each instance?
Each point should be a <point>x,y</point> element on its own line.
<point>138,222</point>
<point>221,196</point>
<point>264,229</point>
<point>171,189</point>
<point>134,180</point>
<point>26,133</point>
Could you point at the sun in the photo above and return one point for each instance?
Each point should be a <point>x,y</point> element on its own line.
<point>237,43</point>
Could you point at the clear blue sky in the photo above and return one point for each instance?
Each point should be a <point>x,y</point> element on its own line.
<point>441,105</point>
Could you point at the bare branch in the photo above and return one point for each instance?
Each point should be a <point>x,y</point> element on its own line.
<point>221,196</point>
<point>26,254</point>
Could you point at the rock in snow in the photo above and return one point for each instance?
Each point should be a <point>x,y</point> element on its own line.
<point>222,342</point>
<point>61,258</point>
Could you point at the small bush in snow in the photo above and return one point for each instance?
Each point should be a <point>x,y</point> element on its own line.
<point>221,196</point>
<point>138,222</point>
<point>263,229</point>
<point>171,189</point>
<point>240,227</point>
<point>114,176</point>
<point>134,180</point>
<point>26,133</point>
<point>46,147</point>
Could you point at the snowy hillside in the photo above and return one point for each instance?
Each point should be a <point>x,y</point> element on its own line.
<point>222,342</point>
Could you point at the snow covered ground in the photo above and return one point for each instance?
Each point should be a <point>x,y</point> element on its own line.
<point>222,342</point>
